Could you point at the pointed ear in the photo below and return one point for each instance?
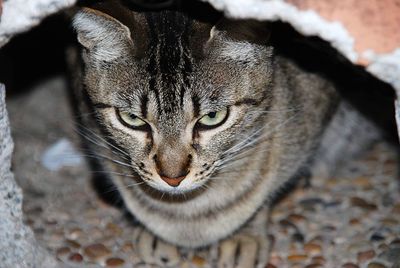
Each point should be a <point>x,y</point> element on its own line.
<point>104,37</point>
<point>252,31</point>
<point>243,41</point>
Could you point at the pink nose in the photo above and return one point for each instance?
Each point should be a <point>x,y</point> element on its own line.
<point>174,182</point>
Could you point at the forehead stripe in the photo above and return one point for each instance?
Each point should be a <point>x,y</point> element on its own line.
<point>170,58</point>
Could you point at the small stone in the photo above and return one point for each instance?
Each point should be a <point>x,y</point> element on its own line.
<point>389,222</point>
<point>298,237</point>
<point>376,237</point>
<point>392,255</point>
<point>271,239</point>
<point>96,251</point>
<point>349,265</point>
<point>365,255</point>
<point>96,233</point>
<point>39,230</point>
<point>51,221</point>
<point>296,218</point>
<point>387,201</point>
<point>199,261</point>
<point>375,265</point>
<point>354,221</point>
<point>312,248</point>
<point>75,257</point>
<point>362,203</point>
<point>296,265</point>
<point>383,247</point>
<point>297,257</point>
<point>317,239</point>
<point>363,182</point>
<point>287,224</point>
<point>311,203</point>
<point>328,228</point>
<point>73,244</point>
<point>313,265</point>
<point>63,251</point>
<point>114,262</point>
<point>396,209</point>
<point>34,211</point>
<point>74,233</point>
<point>29,222</point>
<point>127,247</point>
<point>395,243</point>
<point>275,260</point>
<point>114,229</point>
<point>332,204</point>
<point>318,259</point>
<point>359,246</point>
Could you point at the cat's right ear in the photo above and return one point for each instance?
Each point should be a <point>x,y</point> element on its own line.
<point>105,38</point>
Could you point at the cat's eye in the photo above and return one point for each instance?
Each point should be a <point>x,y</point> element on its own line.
<point>131,120</point>
<point>213,119</point>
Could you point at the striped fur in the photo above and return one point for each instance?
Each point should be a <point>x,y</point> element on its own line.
<point>167,71</point>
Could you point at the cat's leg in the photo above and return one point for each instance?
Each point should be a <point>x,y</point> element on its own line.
<point>248,248</point>
<point>154,251</point>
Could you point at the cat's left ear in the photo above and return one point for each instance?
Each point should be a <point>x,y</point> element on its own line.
<point>104,37</point>
<point>251,31</point>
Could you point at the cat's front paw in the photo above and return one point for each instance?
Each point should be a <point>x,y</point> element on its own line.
<point>241,251</point>
<point>153,251</point>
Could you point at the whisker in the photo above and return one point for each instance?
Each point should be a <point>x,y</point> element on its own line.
<point>114,173</point>
<point>103,140</point>
<point>134,184</point>
<point>246,148</point>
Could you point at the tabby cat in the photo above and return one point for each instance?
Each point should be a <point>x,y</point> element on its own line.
<point>198,126</point>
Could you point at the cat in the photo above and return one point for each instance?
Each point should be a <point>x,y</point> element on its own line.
<point>199,126</point>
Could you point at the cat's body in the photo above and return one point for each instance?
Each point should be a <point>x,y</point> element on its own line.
<point>192,184</point>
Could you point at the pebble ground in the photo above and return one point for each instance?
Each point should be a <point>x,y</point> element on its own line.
<point>351,220</point>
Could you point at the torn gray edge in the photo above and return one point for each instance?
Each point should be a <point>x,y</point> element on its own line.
<point>306,22</point>
<point>21,15</point>
<point>22,249</point>
<point>18,246</point>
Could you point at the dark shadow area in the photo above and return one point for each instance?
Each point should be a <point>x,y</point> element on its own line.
<point>371,96</point>
<point>35,55</point>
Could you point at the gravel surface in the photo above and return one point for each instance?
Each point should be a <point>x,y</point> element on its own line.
<point>351,220</point>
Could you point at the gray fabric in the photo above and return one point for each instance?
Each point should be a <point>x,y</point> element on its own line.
<point>21,15</point>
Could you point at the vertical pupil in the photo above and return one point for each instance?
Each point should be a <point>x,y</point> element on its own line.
<point>132,116</point>
<point>212,114</point>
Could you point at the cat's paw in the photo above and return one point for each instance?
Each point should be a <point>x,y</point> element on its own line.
<point>241,250</point>
<point>153,251</point>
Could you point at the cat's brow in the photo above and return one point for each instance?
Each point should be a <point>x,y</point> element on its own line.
<point>100,105</point>
<point>143,105</point>
<point>196,105</point>
<point>248,101</point>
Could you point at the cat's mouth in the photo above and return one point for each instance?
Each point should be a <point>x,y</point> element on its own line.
<point>164,188</point>
<point>165,193</point>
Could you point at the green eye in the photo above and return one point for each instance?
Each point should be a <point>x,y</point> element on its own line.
<point>130,119</point>
<point>214,119</point>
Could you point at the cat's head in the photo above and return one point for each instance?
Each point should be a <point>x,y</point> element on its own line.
<point>177,96</point>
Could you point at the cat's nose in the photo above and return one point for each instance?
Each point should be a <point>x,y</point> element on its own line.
<point>174,182</point>
<point>172,172</point>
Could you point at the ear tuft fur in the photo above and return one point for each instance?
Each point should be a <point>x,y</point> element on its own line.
<point>243,41</point>
<point>252,31</point>
<point>105,37</point>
